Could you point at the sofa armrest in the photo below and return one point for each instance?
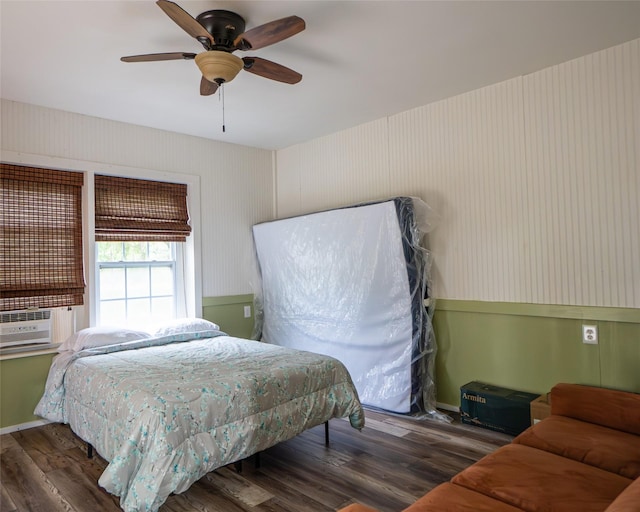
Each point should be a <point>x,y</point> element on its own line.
<point>628,500</point>
<point>619,410</point>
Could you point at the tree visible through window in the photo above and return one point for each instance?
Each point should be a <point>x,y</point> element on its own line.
<point>136,283</point>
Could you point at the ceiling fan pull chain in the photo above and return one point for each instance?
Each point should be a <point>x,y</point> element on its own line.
<point>222,99</point>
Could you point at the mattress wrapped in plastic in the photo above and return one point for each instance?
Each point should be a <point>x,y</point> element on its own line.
<point>354,283</point>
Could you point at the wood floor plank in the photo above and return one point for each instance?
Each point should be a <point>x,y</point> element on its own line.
<point>385,446</point>
<point>387,427</point>
<point>350,482</point>
<point>82,491</point>
<point>93,466</point>
<point>456,432</point>
<point>6,503</point>
<point>230,482</point>
<point>401,475</point>
<point>42,449</point>
<point>437,468</point>
<point>289,497</point>
<point>387,465</point>
<point>313,450</point>
<point>27,486</point>
<point>313,485</point>
<point>7,442</point>
<point>203,497</point>
<point>452,441</point>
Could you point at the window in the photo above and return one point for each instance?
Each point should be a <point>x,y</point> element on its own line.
<point>136,283</point>
<point>41,238</point>
<point>140,229</point>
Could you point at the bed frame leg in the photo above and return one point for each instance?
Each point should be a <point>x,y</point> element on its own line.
<point>256,456</point>
<point>89,451</point>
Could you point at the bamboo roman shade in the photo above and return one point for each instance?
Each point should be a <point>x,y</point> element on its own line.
<point>41,217</point>
<point>140,210</point>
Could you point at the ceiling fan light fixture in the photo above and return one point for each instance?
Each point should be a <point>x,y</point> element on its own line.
<point>218,66</point>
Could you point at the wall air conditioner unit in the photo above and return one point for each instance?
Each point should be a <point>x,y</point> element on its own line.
<point>26,327</point>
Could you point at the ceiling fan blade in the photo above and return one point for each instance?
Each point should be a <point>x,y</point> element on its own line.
<point>207,88</point>
<point>187,22</point>
<point>149,57</point>
<point>269,33</point>
<point>271,70</point>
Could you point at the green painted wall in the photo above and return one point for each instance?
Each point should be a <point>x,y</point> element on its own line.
<point>228,313</point>
<point>523,346</point>
<point>531,347</point>
<point>21,386</point>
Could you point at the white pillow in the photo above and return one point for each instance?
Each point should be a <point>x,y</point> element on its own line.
<point>98,336</point>
<point>182,325</point>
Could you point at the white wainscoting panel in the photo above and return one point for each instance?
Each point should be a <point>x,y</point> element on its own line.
<point>337,170</point>
<point>536,181</point>
<point>236,181</point>
<point>465,157</point>
<point>583,127</point>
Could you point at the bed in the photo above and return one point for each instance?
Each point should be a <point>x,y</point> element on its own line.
<point>165,410</point>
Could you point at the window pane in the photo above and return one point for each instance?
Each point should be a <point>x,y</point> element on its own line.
<point>113,313</point>
<point>135,251</point>
<point>133,290</point>
<point>111,283</point>
<point>109,251</point>
<point>138,282</point>
<point>138,311</point>
<point>160,251</point>
<point>161,281</point>
<point>161,309</point>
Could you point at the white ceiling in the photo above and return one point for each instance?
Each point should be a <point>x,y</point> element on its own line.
<point>361,60</point>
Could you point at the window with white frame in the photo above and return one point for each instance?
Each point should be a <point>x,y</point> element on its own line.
<point>141,229</point>
<point>137,282</point>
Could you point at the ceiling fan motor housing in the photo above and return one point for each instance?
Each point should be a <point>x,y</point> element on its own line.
<point>224,26</point>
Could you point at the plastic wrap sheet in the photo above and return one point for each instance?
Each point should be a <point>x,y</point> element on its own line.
<point>353,283</point>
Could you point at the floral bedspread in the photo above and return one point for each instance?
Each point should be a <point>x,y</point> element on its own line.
<point>166,411</point>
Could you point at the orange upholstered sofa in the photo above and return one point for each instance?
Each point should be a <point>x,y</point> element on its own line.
<point>585,457</point>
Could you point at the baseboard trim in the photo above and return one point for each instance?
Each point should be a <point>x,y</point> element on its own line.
<point>447,407</point>
<point>22,426</point>
<point>591,313</point>
<point>226,300</point>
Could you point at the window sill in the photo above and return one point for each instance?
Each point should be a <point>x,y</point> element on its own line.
<point>20,352</point>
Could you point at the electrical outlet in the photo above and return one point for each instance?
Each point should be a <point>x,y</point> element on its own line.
<point>247,311</point>
<point>590,334</point>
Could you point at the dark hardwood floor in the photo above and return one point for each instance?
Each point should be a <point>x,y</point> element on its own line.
<point>388,465</point>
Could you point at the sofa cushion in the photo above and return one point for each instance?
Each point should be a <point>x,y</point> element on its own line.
<point>586,403</point>
<point>455,498</point>
<point>592,444</point>
<point>628,500</point>
<point>535,480</point>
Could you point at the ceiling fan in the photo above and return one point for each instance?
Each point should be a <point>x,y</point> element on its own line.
<point>221,33</point>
